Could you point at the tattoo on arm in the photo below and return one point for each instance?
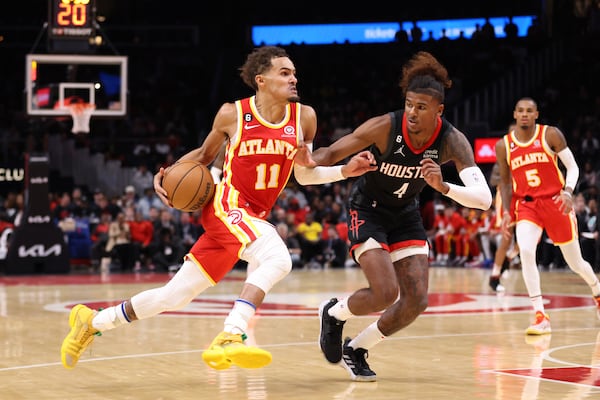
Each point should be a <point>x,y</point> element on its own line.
<point>456,147</point>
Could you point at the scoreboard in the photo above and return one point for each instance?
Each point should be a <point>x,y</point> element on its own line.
<point>71,24</point>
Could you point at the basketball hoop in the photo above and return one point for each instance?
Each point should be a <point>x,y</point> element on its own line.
<point>81,114</point>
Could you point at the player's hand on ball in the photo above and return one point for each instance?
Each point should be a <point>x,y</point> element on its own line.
<point>158,189</point>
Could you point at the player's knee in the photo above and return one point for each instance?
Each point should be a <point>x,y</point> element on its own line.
<point>383,296</point>
<point>528,252</point>
<point>273,265</point>
<point>388,295</point>
<point>271,257</point>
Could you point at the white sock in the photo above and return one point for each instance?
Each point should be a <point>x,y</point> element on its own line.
<point>110,318</point>
<point>340,310</point>
<point>368,338</point>
<point>240,314</point>
<point>538,303</point>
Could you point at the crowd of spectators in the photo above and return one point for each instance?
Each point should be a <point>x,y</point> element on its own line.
<point>134,231</point>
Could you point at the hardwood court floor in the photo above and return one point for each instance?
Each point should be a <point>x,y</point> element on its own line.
<point>470,343</point>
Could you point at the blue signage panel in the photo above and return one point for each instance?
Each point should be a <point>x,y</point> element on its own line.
<point>376,32</point>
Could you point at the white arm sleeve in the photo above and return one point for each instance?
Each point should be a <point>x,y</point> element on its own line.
<point>476,192</point>
<point>566,157</point>
<point>317,175</point>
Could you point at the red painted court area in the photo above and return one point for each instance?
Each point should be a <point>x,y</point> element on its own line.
<point>580,375</point>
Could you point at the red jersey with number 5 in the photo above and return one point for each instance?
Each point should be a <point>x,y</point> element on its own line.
<point>259,158</point>
<point>534,165</point>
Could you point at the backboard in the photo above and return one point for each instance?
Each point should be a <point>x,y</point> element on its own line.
<point>55,80</point>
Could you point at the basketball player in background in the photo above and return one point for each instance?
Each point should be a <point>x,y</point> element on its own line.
<point>268,136</point>
<point>388,239</point>
<point>543,199</point>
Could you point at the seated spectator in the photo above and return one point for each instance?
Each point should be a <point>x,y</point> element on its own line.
<point>335,250</point>
<point>187,231</point>
<point>298,212</point>
<point>590,145</point>
<point>101,204</point>
<point>129,198</point>
<point>168,251</point>
<point>99,238</point>
<point>589,178</point>
<point>142,178</point>
<point>63,209</point>
<point>292,244</point>
<point>77,232</point>
<point>147,201</point>
<point>309,236</point>
<point>119,244</point>
<point>142,234</point>
<point>167,220</point>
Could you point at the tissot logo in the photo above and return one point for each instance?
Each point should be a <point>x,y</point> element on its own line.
<point>39,250</point>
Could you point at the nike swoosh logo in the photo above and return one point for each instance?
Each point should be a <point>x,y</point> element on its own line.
<point>246,126</point>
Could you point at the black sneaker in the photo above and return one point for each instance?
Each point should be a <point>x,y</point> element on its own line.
<point>330,337</point>
<point>354,361</point>
<point>495,284</point>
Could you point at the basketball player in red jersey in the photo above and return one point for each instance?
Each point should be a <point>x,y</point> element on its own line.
<point>528,165</point>
<point>268,136</point>
<point>386,231</point>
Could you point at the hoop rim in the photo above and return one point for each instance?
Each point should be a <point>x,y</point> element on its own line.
<point>79,107</point>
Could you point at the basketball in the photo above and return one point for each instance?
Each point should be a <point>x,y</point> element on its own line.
<point>189,185</point>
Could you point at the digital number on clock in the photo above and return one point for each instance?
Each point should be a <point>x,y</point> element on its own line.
<point>71,18</point>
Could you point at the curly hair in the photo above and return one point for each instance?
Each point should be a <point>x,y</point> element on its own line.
<point>423,73</point>
<point>259,61</point>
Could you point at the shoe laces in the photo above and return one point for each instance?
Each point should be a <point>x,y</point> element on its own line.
<point>89,331</point>
<point>229,338</point>
<point>360,358</point>
<point>336,322</point>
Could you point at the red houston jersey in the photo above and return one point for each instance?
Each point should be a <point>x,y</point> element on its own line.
<point>534,166</point>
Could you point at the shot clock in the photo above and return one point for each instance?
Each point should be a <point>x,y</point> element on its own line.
<point>71,24</point>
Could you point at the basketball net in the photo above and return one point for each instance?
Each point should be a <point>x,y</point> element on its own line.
<point>81,114</point>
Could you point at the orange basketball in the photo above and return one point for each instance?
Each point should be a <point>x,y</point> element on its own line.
<point>189,185</point>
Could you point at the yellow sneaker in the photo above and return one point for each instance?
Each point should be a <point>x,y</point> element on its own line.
<point>229,349</point>
<point>540,326</point>
<point>80,337</point>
